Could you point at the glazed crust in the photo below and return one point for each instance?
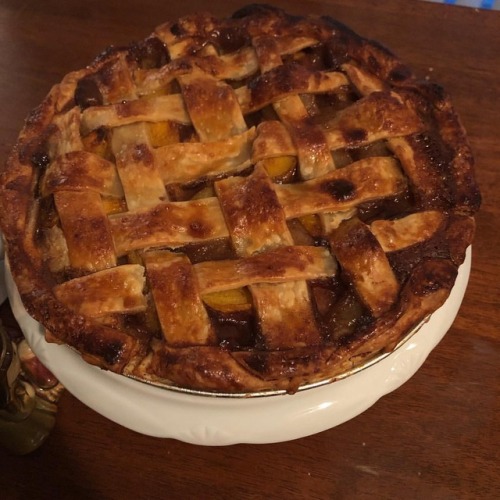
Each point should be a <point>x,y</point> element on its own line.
<point>428,174</point>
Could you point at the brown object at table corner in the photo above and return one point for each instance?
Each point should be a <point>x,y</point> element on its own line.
<point>437,435</point>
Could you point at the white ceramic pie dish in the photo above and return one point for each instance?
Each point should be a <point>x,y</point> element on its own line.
<point>223,421</point>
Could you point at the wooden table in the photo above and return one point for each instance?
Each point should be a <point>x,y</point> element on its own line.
<point>435,437</point>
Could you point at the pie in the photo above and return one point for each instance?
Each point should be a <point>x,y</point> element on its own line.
<point>256,203</point>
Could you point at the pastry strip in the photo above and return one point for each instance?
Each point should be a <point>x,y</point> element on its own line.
<point>341,189</point>
<point>81,170</point>
<point>234,66</point>
<point>285,81</point>
<point>380,115</point>
<point>191,161</point>
<point>183,318</point>
<point>274,266</point>
<point>86,228</point>
<point>273,139</point>
<point>212,107</point>
<point>66,137</point>
<point>262,224</point>
<point>155,109</point>
<point>135,162</point>
<point>171,224</point>
<point>115,290</point>
<point>397,234</point>
<point>368,268</point>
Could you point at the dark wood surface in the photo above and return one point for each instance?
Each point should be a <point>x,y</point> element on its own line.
<point>435,437</point>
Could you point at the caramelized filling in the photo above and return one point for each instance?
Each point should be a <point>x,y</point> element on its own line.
<point>230,39</point>
<point>114,205</point>
<point>281,169</point>
<point>97,142</point>
<point>163,133</point>
<point>229,301</point>
<point>87,93</point>
<point>212,250</point>
<point>234,330</point>
<point>387,208</point>
<point>149,53</point>
<point>47,213</point>
<point>345,317</point>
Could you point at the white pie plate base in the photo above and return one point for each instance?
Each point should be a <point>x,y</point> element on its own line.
<point>216,421</point>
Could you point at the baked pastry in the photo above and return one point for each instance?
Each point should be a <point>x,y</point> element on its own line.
<point>238,205</point>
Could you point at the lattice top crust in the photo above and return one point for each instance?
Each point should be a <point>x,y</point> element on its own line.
<point>240,204</point>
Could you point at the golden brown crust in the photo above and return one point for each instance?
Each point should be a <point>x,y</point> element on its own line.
<point>183,318</point>
<point>367,267</point>
<point>381,186</point>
